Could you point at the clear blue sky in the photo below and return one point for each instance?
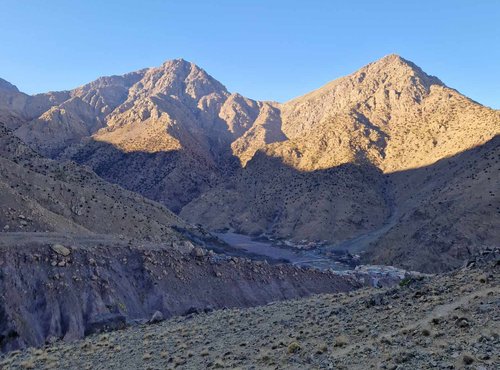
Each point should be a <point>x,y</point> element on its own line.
<point>264,49</point>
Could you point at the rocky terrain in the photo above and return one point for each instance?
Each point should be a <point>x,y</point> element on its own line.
<point>389,113</point>
<point>450,321</point>
<point>446,212</point>
<point>80,255</point>
<point>339,164</point>
<point>107,192</point>
<point>62,287</point>
<point>366,156</point>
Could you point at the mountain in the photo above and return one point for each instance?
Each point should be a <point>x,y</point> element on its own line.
<point>17,108</point>
<point>76,114</point>
<point>173,124</point>
<point>329,165</point>
<point>390,113</point>
<point>384,122</point>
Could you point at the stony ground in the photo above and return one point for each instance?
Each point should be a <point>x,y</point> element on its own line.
<point>449,321</point>
<point>65,287</point>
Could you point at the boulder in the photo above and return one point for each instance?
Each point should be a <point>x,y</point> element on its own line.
<point>157,317</point>
<point>198,252</point>
<point>105,322</point>
<point>60,249</point>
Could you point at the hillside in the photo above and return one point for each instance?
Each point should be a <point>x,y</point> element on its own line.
<point>447,321</point>
<point>446,212</point>
<point>79,255</point>
<point>42,195</point>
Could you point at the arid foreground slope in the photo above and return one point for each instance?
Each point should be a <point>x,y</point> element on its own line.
<point>446,322</point>
<point>51,292</point>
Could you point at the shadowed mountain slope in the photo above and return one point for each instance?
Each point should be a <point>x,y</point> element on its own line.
<point>40,195</point>
<point>447,212</point>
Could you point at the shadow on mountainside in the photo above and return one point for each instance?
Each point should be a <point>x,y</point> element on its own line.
<point>444,213</point>
<point>400,218</point>
<point>173,178</point>
<point>265,197</point>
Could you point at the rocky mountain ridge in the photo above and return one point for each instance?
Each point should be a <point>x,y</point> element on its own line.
<point>319,167</point>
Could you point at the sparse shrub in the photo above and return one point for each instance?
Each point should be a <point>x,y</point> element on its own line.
<point>405,282</point>
<point>341,341</point>
<point>293,347</point>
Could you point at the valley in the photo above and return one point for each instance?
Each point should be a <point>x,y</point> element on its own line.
<point>287,252</point>
<point>331,165</point>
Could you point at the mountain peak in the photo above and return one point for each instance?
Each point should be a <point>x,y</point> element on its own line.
<point>177,62</point>
<point>394,64</point>
<point>393,58</point>
<point>180,64</point>
<point>180,74</point>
